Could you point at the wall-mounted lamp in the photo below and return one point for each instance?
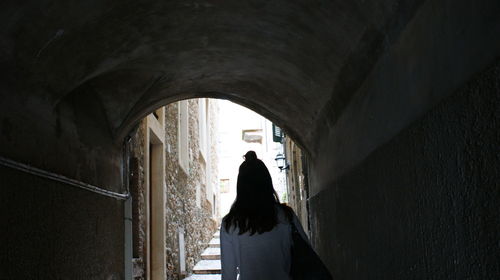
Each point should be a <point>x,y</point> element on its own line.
<point>281,161</point>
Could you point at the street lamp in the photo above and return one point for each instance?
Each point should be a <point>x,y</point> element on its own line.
<point>281,162</point>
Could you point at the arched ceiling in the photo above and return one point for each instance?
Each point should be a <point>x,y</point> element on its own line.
<point>295,62</point>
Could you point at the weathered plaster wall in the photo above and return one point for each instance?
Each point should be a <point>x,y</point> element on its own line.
<point>443,45</point>
<point>54,231</point>
<point>424,205</point>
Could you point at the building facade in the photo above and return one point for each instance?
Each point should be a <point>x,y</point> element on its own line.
<point>173,177</point>
<point>241,130</point>
<point>297,181</point>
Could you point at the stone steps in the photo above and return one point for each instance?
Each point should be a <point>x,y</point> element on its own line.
<point>209,267</point>
<point>214,243</point>
<point>211,254</point>
<point>204,277</point>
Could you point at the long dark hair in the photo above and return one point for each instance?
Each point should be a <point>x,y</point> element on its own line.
<point>255,207</point>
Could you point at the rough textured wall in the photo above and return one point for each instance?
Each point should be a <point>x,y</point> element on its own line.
<point>137,189</point>
<point>437,52</point>
<point>181,209</point>
<point>425,204</point>
<point>176,189</point>
<point>54,231</point>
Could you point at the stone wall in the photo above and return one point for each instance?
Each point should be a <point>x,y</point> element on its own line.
<point>182,212</point>
<point>137,190</point>
<point>297,181</point>
<point>52,230</point>
<point>425,204</point>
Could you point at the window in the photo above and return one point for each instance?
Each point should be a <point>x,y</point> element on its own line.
<point>252,135</point>
<point>224,185</point>
<point>182,135</point>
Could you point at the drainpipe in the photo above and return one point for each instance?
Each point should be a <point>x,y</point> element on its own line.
<point>128,238</point>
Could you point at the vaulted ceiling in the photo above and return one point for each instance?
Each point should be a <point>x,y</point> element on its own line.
<point>296,62</point>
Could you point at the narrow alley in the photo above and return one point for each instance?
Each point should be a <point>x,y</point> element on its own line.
<point>379,122</point>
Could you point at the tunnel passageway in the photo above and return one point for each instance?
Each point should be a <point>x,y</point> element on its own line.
<point>394,102</point>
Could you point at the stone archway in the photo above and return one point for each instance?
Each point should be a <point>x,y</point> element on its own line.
<point>358,83</point>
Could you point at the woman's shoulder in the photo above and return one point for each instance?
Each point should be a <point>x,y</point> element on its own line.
<point>226,224</point>
<point>286,211</point>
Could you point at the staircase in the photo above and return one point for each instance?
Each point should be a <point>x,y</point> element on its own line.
<point>209,267</point>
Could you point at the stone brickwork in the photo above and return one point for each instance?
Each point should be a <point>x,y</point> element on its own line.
<point>137,190</point>
<point>197,220</point>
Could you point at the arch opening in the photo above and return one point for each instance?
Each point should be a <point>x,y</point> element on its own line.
<point>134,118</point>
<point>114,103</point>
<point>200,142</point>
